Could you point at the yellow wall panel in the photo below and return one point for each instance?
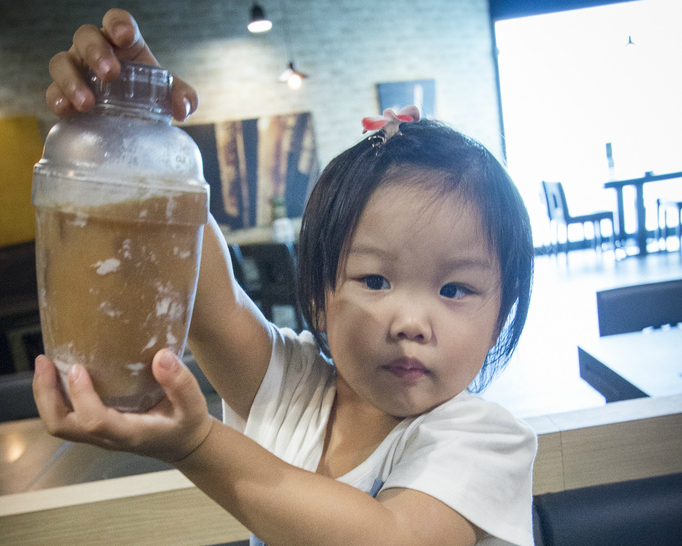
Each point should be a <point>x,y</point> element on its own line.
<point>20,148</point>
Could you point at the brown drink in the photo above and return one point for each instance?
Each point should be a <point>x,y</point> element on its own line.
<point>113,292</point>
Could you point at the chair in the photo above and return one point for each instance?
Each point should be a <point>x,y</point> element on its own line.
<point>237,264</point>
<point>557,210</point>
<point>663,206</point>
<point>20,339</point>
<point>634,308</point>
<point>16,396</point>
<point>275,285</point>
<point>628,513</point>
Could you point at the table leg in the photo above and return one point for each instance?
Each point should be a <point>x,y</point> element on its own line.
<point>621,235</point>
<point>641,220</point>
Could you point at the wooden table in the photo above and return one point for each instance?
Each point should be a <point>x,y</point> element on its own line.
<point>634,365</point>
<point>638,183</point>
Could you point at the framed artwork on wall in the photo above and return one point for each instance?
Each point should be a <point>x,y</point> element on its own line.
<point>251,164</point>
<point>397,95</point>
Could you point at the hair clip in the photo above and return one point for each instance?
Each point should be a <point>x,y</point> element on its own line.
<point>389,122</point>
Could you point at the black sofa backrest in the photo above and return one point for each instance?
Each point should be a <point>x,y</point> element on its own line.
<point>632,513</point>
<point>634,308</point>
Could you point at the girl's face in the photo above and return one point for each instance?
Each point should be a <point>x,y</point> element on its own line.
<point>416,304</point>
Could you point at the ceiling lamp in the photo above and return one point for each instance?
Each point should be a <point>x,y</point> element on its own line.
<point>292,77</point>
<point>259,23</point>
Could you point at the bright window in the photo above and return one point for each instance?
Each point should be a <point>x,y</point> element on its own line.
<point>573,81</point>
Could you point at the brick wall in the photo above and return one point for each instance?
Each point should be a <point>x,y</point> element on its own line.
<point>346,46</point>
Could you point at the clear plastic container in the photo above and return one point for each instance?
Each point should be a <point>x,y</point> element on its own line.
<point>121,203</point>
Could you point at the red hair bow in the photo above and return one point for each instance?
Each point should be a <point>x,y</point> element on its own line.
<point>390,121</point>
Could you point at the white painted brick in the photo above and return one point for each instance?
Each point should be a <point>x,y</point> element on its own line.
<point>346,46</point>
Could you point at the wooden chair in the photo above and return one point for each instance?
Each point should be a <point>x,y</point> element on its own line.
<point>634,308</point>
<point>557,210</point>
<point>276,283</point>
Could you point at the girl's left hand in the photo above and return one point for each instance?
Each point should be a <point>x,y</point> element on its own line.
<point>169,431</point>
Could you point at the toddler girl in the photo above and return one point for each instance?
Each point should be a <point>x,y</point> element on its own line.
<point>415,272</point>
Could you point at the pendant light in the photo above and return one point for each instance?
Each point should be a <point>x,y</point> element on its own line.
<point>293,78</point>
<point>259,22</point>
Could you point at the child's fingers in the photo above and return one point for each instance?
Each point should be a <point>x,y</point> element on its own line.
<point>185,99</point>
<point>84,399</point>
<point>48,395</point>
<point>121,30</point>
<point>190,410</point>
<point>91,421</point>
<point>58,102</point>
<point>182,391</point>
<point>169,431</point>
<point>180,385</point>
<point>100,50</point>
<point>92,49</point>
<point>69,83</point>
<point>82,423</point>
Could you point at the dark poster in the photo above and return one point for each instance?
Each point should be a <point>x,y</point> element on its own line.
<point>248,163</point>
<point>397,95</point>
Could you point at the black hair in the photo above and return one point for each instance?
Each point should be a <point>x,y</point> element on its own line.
<point>470,170</point>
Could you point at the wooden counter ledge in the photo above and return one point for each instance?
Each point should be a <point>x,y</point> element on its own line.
<point>616,442</point>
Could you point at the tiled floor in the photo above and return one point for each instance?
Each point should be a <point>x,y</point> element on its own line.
<point>543,376</point>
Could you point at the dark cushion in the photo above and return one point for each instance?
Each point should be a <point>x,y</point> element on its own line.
<point>632,513</point>
<point>16,397</point>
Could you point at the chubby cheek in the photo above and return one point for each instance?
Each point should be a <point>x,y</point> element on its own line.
<point>464,351</point>
<point>468,375</point>
<point>351,326</point>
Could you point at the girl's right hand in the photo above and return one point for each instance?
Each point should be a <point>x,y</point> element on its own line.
<point>169,431</point>
<point>100,49</point>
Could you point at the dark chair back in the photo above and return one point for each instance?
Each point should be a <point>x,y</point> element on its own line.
<point>16,396</point>
<point>555,199</point>
<point>237,264</point>
<point>634,308</point>
<point>276,283</point>
<point>632,513</point>
<point>557,210</point>
<point>20,339</point>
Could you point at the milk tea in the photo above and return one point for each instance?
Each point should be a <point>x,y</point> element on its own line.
<point>113,291</point>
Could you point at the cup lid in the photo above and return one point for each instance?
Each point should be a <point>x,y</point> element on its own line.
<point>139,85</point>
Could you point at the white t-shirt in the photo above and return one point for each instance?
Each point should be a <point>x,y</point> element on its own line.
<point>469,453</point>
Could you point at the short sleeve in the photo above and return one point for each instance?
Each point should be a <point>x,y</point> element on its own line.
<point>289,414</point>
<point>475,457</point>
